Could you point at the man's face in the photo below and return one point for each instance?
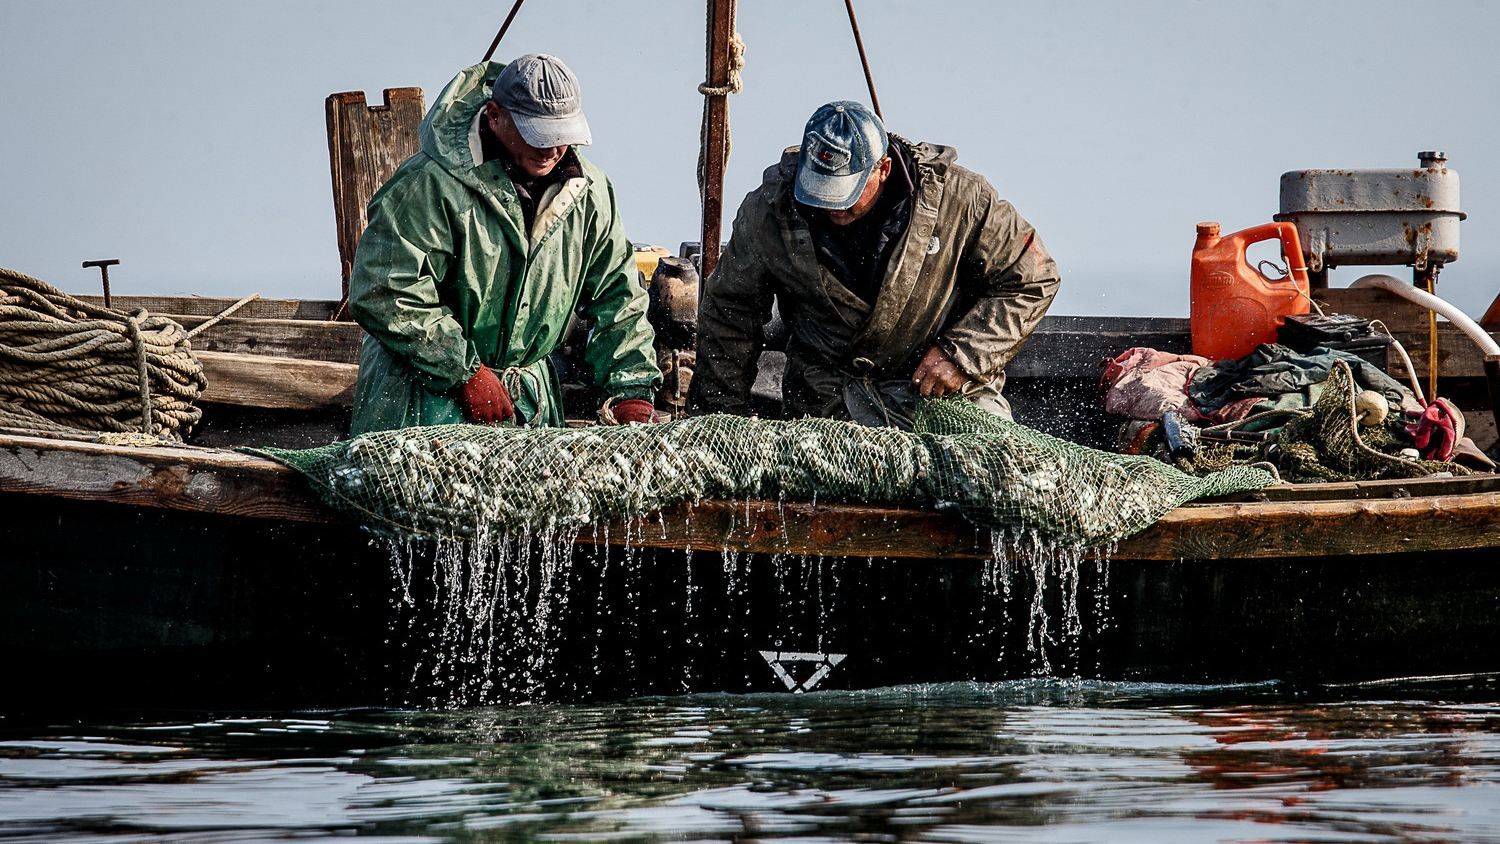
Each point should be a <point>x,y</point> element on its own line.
<point>867,197</point>
<point>533,161</point>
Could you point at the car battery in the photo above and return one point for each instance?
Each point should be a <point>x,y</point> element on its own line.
<point>1352,334</point>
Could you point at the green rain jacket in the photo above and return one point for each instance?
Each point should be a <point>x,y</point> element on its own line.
<point>446,278</point>
<point>969,275</point>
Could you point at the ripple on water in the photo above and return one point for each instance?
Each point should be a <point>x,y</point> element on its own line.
<point>1034,761</point>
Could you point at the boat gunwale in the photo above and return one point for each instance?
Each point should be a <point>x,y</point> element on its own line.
<point>1307,520</point>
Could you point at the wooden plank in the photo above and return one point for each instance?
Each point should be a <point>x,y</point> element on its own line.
<point>1061,347</point>
<point>281,383</point>
<point>1077,347</point>
<point>207,306</point>
<point>185,479</point>
<point>1280,530</point>
<point>1458,356</point>
<point>1398,314</point>
<point>323,340</point>
<point>1394,488</point>
<point>1253,531</point>
<point>365,146</point>
<point>210,480</point>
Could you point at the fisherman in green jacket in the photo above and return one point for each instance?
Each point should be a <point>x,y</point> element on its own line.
<point>480,250</point>
<point>897,273</point>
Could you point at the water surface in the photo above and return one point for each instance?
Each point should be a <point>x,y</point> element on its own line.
<point>1026,761</point>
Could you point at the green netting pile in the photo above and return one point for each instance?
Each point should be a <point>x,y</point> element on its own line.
<point>1326,442</point>
<point>466,480</point>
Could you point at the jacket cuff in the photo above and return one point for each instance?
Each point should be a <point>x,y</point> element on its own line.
<point>641,392</point>
<point>961,358</point>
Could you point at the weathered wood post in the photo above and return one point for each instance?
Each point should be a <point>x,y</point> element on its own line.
<point>365,146</point>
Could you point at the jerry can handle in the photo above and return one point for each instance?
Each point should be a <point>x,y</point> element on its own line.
<point>1291,248</point>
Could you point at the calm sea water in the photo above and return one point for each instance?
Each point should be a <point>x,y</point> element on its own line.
<point>1027,761</point>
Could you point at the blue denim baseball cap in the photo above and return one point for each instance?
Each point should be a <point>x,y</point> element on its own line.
<point>841,145</point>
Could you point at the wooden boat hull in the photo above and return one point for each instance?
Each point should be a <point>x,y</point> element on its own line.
<point>184,577</point>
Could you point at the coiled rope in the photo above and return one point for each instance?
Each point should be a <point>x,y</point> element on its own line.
<point>67,365</point>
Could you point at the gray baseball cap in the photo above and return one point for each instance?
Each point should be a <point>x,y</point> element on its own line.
<point>544,101</point>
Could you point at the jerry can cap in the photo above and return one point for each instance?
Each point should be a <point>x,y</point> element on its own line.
<point>1208,229</point>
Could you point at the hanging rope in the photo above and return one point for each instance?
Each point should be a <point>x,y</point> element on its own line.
<point>736,64</point>
<point>66,365</point>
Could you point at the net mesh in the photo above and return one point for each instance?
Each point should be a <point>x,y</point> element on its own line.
<point>467,480</point>
<point>1327,443</point>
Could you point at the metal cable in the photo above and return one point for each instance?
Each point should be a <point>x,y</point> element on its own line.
<point>503,27</point>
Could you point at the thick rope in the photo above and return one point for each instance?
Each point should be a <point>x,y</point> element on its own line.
<point>66,365</point>
<point>736,64</point>
<point>210,323</point>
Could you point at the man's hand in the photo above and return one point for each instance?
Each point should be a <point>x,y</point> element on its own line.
<point>626,411</point>
<point>937,375</point>
<point>485,399</point>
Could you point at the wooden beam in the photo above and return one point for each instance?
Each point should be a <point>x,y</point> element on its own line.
<point>173,478</point>
<point>1256,531</point>
<point>1398,314</point>
<point>278,383</point>
<point>1458,357</point>
<point>1392,488</point>
<point>207,306</point>
<point>211,480</point>
<point>318,340</point>
<point>1077,347</point>
<point>365,146</point>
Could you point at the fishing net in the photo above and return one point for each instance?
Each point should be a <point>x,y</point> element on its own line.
<point>467,480</point>
<point>1325,442</point>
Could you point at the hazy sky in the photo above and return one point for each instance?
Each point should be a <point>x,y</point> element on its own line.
<point>187,137</point>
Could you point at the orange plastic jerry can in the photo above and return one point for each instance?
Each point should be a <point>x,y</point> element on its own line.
<point>1235,307</point>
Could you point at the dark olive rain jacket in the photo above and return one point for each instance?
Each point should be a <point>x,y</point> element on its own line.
<point>969,275</point>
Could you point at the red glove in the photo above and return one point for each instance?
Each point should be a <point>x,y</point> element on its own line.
<point>626,411</point>
<point>1438,430</point>
<point>485,399</point>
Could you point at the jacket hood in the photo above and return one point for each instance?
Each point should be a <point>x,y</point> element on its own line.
<point>448,133</point>
<point>444,133</point>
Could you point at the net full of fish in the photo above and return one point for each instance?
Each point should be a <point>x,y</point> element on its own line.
<point>469,480</point>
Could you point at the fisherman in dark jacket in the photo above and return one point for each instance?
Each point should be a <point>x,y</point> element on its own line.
<point>897,272</point>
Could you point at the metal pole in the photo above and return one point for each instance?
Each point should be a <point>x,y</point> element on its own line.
<point>715,133</point>
<point>503,27</point>
<point>864,62</point>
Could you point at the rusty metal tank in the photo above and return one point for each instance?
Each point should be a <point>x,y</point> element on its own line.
<point>1387,217</point>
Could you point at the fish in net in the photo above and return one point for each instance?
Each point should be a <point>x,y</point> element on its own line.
<point>467,480</point>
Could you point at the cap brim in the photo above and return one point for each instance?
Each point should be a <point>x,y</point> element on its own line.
<point>544,132</point>
<point>832,193</point>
